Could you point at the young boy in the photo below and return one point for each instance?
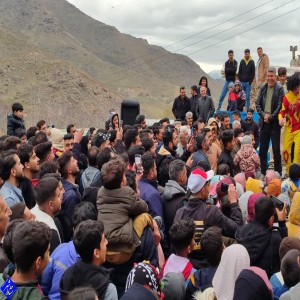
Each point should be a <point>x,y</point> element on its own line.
<point>121,210</point>
<point>240,94</point>
<point>182,238</point>
<point>212,246</point>
<point>232,98</point>
<point>90,243</point>
<point>15,120</point>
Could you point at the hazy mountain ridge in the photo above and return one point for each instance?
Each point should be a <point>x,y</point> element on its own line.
<point>99,52</point>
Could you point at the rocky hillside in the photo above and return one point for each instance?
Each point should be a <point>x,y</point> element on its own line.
<point>96,53</point>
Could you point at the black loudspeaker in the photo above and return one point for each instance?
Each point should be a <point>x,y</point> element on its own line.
<point>130,109</point>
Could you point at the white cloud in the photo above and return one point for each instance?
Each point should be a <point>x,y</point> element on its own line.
<point>168,21</point>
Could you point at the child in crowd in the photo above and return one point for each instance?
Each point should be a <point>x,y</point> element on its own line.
<point>182,234</point>
<point>247,158</point>
<point>240,94</point>
<point>232,98</point>
<point>212,245</point>
<point>121,210</point>
<point>143,282</point>
<point>15,120</point>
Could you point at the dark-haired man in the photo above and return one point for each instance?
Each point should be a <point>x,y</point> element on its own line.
<point>203,143</point>
<point>131,138</point>
<point>194,101</point>
<point>181,105</point>
<point>141,120</point>
<point>230,69</point>
<point>68,169</point>
<point>30,247</point>
<point>30,161</point>
<point>12,174</point>
<point>251,126</point>
<point>15,120</point>
<point>68,142</point>
<point>148,186</point>
<point>246,74</point>
<point>259,237</point>
<point>268,105</point>
<point>225,122</point>
<point>49,193</point>
<point>90,243</point>
<point>228,144</point>
<point>65,255</point>
<point>71,129</point>
<point>44,152</point>
<point>205,215</point>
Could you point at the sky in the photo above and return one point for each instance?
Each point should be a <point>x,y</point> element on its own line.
<point>206,30</point>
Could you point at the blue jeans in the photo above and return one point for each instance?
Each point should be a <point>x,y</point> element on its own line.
<point>232,105</point>
<point>247,88</point>
<point>223,94</point>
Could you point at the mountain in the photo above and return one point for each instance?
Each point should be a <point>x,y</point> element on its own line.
<point>124,66</point>
<point>48,87</point>
<point>216,74</point>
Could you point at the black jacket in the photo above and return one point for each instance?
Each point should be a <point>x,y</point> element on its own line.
<point>262,244</point>
<point>28,192</point>
<point>253,127</point>
<point>230,70</point>
<point>13,123</point>
<point>211,215</point>
<point>246,72</point>
<point>226,158</point>
<point>180,107</point>
<point>193,106</point>
<point>277,99</point>
<point>83,274</point>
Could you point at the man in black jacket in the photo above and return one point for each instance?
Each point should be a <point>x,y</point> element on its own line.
<point>268,105</point>
<point>230,73</point>
<point>194,102</point>
<point>246,74</point>
<point>252,126</point>
<point>261,239</point>
<point>225,157</point>
<point>181,105</point>
<point>205,215</point>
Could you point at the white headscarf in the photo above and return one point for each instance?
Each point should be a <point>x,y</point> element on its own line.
<point>234,259</point>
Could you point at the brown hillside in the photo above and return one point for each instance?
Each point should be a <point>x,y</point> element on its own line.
<point>103,52</point>
<point>48,87</point>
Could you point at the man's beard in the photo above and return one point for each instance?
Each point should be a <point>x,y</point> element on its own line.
<point>20,177</point>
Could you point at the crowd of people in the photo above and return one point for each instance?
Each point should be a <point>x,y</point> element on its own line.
<point>188,210</point>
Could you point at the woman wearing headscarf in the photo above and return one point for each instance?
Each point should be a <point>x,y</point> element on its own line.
<point>293,224</point>
<point>253,283</point>
<point>234,259</point>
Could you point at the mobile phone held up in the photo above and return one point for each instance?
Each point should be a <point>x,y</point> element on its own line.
<point>224,187</point>
<point>138,163</point>
<point>278,204</point>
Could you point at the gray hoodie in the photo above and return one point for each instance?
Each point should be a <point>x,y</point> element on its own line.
<point>172,188</point>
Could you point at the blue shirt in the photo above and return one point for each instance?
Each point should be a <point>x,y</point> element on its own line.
<point>11,194</point>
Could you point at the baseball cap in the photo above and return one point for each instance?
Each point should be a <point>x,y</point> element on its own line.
<point>198,178</point>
